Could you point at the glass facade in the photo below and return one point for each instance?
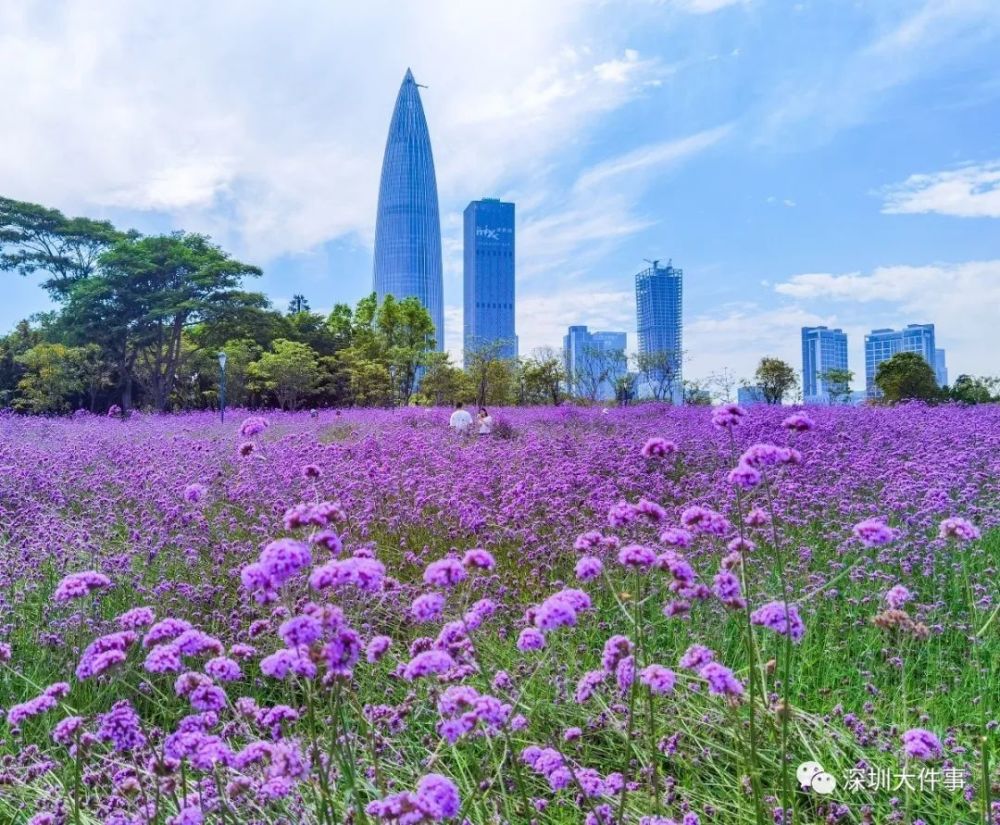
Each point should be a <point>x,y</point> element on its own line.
<point>488,316</point>
<point>882,344</point>
<point>580,353</point>
<point>940,368</point>
<point>658,303</point>
<point>408,226</point>
<point>822,349</point>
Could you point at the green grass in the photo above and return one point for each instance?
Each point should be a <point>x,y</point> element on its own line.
<point>842,663</point>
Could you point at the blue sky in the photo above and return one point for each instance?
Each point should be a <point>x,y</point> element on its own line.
<point>813,162</point>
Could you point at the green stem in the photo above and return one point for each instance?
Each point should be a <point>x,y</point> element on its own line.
<point>752,657</point>
<point>787,663</point>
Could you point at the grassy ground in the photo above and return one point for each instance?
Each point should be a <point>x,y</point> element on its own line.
<point>839,668</point>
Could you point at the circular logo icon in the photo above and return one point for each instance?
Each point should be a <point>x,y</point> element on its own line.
<point>812,775</point>
<point>823,783</point>
<point>806,771</point>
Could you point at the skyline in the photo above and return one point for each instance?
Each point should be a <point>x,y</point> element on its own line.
<point>806,167</point>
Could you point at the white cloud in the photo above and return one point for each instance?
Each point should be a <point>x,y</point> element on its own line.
<point>542,319</point>
<point>960,299</point>
<point>738,336</point>
<point>706,6</point>
<point>651,156</point>
<point>971,191</point>
<point>265,124</point>
<point>563,241</point>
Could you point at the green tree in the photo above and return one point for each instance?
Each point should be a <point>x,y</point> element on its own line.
<point>838,384</point>
<point>312,329</point>
<point>290,371</point>
<point>697,393</point>
<point>490,374</point>
<point>660,372</point>
<point>50,381</point>
<point>256,322</point>
<point>147,292</point>
<point>405,336</point>
<point>595,369</point>
<point>442,383</point>
<point>18,341</point>
<point>369,383</point>
<point>240,357</point>
<point>36,239</point>
<point>775,378</point>
<point>968,389</point>
<point>906,376</point>
<point>96,374</point>
<point>299,303</point>
<point>340,323</point>
<point>544,377</point>
<point>625,388</point>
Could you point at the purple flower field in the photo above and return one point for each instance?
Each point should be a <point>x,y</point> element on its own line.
<point>650,615</point>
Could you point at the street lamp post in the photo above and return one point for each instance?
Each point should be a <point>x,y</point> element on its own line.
<point>222,387</point>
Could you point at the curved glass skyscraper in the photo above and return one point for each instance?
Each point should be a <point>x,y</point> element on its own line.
<point>408,227</point>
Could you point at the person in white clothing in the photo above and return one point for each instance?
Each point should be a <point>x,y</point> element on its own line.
<point>460,420</point>
<point>485,422</point>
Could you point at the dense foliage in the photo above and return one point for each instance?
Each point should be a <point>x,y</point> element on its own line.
<point>645,615</point>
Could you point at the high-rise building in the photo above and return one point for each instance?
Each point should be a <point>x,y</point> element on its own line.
<point>489,277</point>
<point>408,227</point>
<point>595,362</point>
<point>940,368</point>
<point>658,303</point>
<point>882,344</point>
<point>822,350</point>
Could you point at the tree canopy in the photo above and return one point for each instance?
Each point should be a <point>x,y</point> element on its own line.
<point>36,239</point>
<point>906,375</point>
<point>775,378</point>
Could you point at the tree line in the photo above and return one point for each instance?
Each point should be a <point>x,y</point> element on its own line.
<point>906,376</point>
<point>140,321</point>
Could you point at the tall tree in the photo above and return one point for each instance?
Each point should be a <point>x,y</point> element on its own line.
<point>968,389</point>
<point>697,393</point>
<point>18,341</point>
<point>405,338</point>
<point>596,369</point>
<point>147,292</point>
<point>311,328</point>
<point>299,303</point>
<point>775,378</point>
<point>339,322</point>
<point>906,375</point>
<point>838,384</point>
<point>50,381</point>
<point>544,376</point>
<point>625,388</point>
<point>660,372</point>
<point>442,383</point>
<point>240,357</point>
<point>291,371</point>
<point>36,239</point>
<point>724,381</point>
<point>96,374</point>
<point>490,374</point>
